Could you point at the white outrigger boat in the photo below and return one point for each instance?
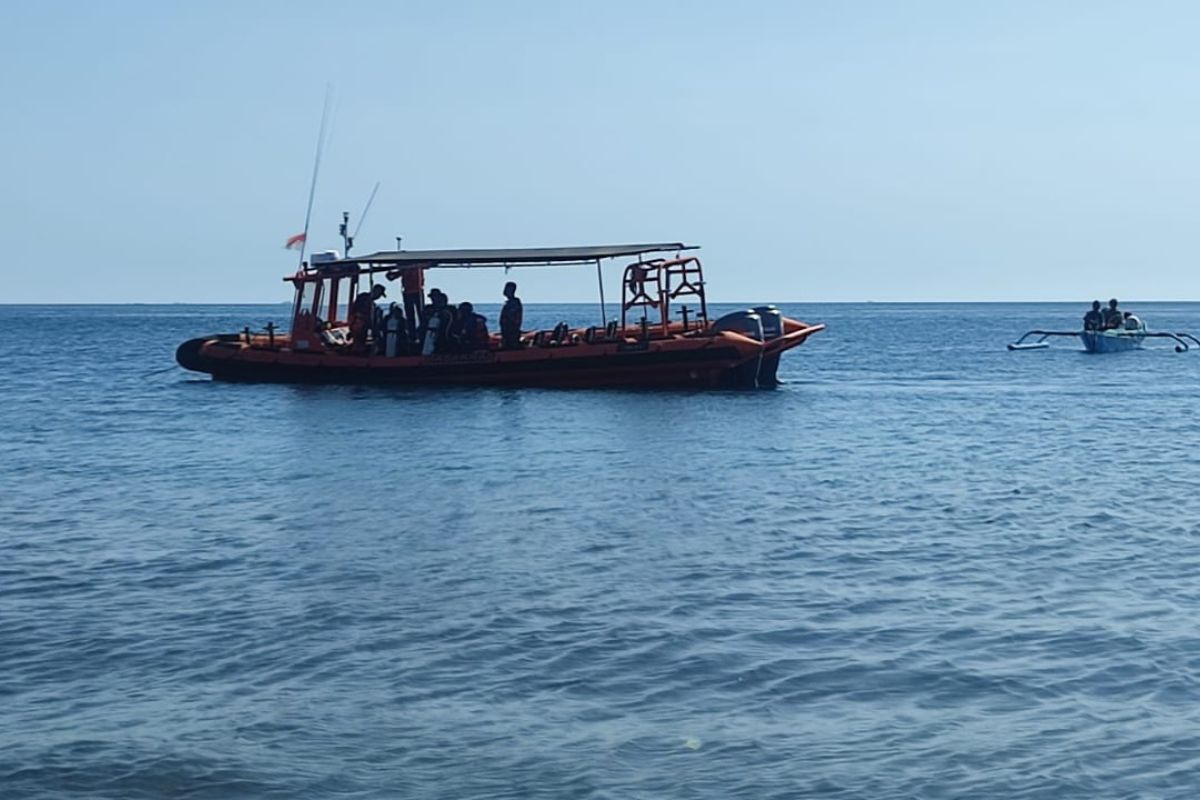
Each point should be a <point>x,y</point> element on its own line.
<point>1112,340</point>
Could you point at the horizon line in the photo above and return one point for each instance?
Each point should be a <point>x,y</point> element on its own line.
<point>4,303</point>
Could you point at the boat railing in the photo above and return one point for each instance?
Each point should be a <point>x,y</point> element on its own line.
<point>641,287</point>
<point>655,283</point>
<point>685,278</point>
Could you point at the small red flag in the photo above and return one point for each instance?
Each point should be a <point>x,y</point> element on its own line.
<point>295,242</point>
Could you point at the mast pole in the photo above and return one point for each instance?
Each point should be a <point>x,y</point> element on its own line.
<point>312,189</point>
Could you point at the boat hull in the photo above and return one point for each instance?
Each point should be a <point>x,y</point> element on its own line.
<point>1112,341</point>
<point>725,360</point>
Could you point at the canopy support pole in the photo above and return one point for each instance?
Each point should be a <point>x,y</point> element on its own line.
<point>600,281</point>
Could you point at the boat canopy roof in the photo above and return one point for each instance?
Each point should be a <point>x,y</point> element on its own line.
<point>503,257</point>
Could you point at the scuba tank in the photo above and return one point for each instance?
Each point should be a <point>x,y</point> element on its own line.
<point>391,337</point>
<point>433,332</point>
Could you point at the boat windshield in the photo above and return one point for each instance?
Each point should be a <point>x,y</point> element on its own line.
<point>308,296</point>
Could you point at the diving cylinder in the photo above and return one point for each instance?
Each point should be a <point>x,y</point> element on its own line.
<point>392,336</point>
<point>432,331</point>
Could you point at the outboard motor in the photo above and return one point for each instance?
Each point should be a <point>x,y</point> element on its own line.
<point>747,323</point>
<point>772,323</point>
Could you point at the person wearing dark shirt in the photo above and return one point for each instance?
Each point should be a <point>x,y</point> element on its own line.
<point>469,331</point>
<point>511,317</point>
<point>362,316</point>
<point>480,338</point>
<point>1094,319</point>
<point>439,317</point>
<point>456,334</point>
<point>1113,318</point>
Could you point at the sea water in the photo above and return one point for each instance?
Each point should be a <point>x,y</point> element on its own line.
<point>924,567</point>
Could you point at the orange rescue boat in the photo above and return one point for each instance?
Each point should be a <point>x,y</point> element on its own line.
<point>653,348</point>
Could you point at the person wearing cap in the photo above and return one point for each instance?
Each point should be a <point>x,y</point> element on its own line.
<point>438,317</point>
<point>1094,319</point>
<point>1113,318</point>
<point>362,316</point>
<point>511,317</point>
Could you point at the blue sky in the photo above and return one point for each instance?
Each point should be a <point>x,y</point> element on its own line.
<point>817,151</point>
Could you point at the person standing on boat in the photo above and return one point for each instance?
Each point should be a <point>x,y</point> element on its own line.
<point>1113,318</point>
<point>1094,319</point>
<point>511,317</point>
<point>362,316</point>
<point>412,288</point>
<point>412,282</point>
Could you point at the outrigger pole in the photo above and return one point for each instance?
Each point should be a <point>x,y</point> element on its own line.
<point>1181,345</point>
<point>1020,344</point>
<point>312,189</point>
<point>1180,339</point>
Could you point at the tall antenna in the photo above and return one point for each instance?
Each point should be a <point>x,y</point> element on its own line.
<point>363,217</point>
<point>312,189</point>
<point>344,228</point>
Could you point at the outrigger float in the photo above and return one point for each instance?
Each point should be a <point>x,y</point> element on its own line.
<point>648,347</point>
<point>1113,340</point>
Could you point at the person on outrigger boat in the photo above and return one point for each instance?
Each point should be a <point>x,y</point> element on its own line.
<point>1113,318</point>
<point>1132,323</point>
<point>1093,319</point>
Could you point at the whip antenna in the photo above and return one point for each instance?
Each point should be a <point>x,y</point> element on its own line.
<point>363,217</point>
<point>312,189</point>
<point>344,228</point>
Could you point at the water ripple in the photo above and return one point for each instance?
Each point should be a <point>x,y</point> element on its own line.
<point>924,568</point>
